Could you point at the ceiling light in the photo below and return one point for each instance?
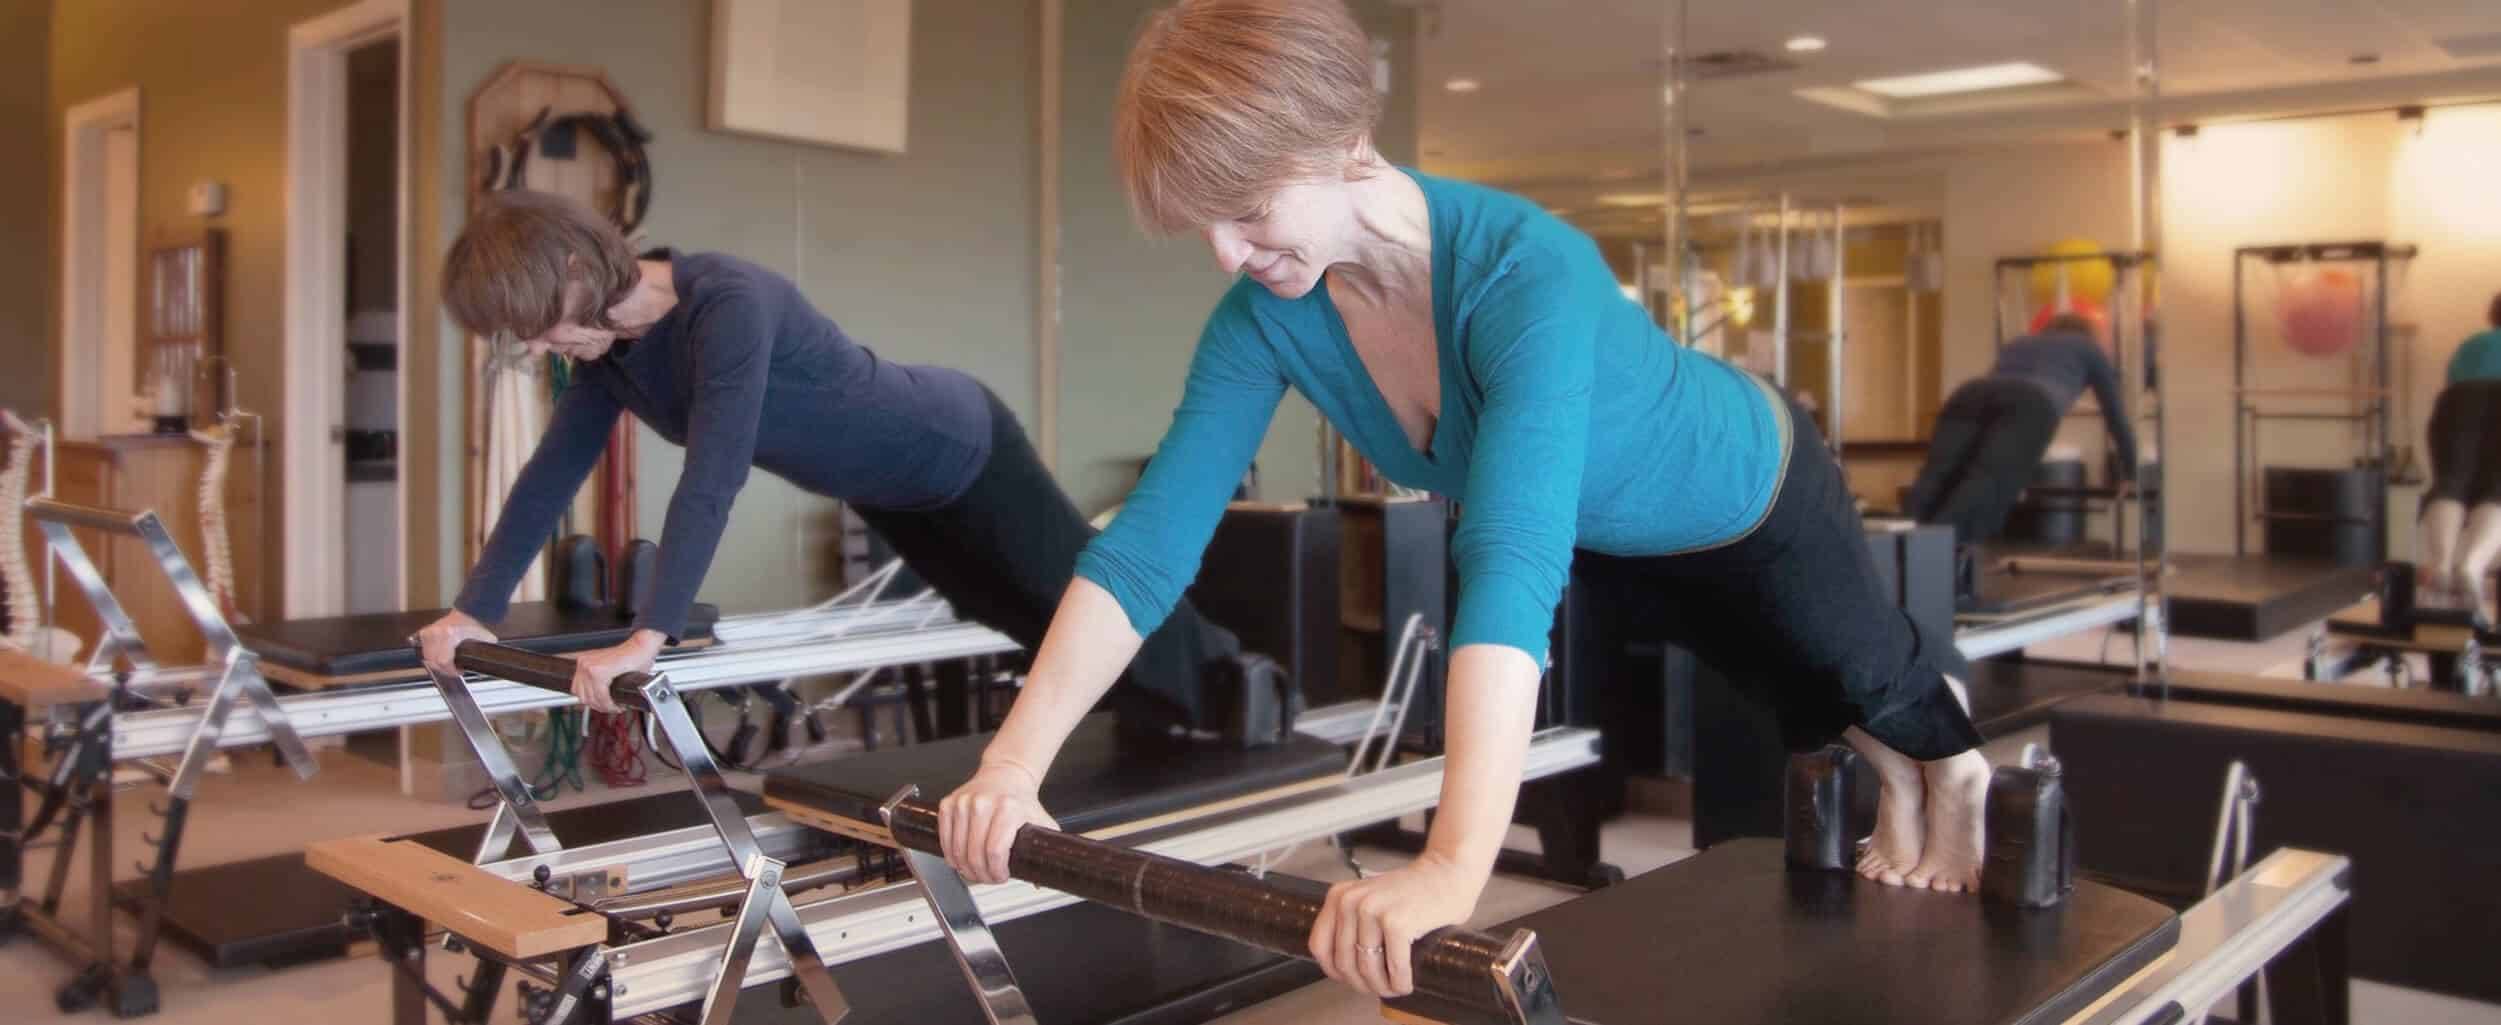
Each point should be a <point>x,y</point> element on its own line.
<point>1633,199</point>
<point>1961,80</point>
<point>1462,85</point>
<point>1806,44</point>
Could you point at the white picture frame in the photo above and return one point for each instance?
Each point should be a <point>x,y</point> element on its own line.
<point>823,72</point>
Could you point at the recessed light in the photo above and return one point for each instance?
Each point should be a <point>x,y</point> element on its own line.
<point>1961,80</point>
<point>1806,44</point>
<point>1463,85</point>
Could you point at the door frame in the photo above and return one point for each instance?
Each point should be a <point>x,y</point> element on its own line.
<point>314,532</point>
<point>84,205</point>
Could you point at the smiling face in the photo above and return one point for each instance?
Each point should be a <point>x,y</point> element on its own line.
<point>1287,242</point>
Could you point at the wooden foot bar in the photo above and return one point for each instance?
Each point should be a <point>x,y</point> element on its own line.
<point>515,921</point>
<point>1474,971</point>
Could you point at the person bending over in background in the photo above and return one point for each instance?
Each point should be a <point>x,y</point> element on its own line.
<point>1995,428</point>
<point>1470,344</point>
<point>2458,532</point>
<point>730,361</point>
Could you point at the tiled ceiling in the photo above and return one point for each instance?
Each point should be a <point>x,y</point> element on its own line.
<point>1570,100</point>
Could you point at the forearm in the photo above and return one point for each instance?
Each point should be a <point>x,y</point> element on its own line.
<point>1490,706</point>
<point>1089,643</point>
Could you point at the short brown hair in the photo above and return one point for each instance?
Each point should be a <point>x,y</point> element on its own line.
<point>508,270</point>
<point>1224,101</point>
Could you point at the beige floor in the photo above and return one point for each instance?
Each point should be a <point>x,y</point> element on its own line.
<point>258,810</point>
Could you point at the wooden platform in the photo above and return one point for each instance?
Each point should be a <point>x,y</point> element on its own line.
<point>1731,936</point>
<point>30,683</point>
<point>499,915</point>
<point>2258,597</point>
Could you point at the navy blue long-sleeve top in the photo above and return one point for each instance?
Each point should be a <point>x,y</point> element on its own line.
<point>2064,365</point>
<point>742,372</point>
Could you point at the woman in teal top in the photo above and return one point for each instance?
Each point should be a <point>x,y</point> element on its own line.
<point>1470,344</point>
<point>2479,357</point>
<point>2458,528</point>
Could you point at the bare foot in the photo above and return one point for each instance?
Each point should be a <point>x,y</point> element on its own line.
<point>1957,798</point>
<point>1894,849</point>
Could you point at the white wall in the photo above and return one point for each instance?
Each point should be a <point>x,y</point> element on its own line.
<point>2364,176</point>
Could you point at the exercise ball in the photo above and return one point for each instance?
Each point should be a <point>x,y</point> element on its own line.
<point>2321,311</point>
<point>2085,308</point>
<point>2086,279</point>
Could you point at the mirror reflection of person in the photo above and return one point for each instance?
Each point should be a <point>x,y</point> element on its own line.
<point>2458,530</point>
<point>1470,344</point>
<point>1993,430</point>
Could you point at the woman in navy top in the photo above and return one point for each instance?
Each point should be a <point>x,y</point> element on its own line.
<point>1470,344</point>
<point>731,361</point>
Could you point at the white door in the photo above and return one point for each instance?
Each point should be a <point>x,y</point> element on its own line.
<point>120,411</point>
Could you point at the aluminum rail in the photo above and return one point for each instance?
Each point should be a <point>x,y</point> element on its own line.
<point>2075,616</point>
<point>2228,937</point>
<point>677,969</point>
<point>694,853</point>
<point>330,713</point>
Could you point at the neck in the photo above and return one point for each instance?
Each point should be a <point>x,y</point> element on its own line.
<point>1392,252</point>
<point>653,297</point>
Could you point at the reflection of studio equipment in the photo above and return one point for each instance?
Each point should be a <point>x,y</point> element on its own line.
<point>2311,346</point>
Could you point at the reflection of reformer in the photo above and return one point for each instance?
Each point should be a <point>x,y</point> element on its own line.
<point>592,952</point>
<point>2381,632</point>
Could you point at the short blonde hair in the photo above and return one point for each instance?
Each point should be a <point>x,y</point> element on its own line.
<point>1224,101</point>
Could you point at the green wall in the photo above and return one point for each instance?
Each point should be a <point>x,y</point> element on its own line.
<point>1132,306</point>
<point>925,257</point>
<point>26,193</point>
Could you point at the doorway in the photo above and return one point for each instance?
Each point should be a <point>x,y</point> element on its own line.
<point>345,532</point>
<point>100,267</point>
<point>370,463</point>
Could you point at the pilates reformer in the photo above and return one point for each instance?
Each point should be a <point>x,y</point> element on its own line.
<point>123,709</point>
<point>590,925</point>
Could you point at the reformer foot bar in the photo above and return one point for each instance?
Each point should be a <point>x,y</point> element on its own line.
<point>588,950</point>
<point>1654,951</point>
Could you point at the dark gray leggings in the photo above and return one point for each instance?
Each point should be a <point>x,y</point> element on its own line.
<point>2465,443</point>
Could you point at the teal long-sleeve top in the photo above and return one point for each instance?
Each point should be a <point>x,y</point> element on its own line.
<point>2478,358</point>
<point>1567,420</point>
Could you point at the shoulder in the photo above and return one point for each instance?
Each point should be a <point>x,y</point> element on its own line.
<point>1504,243</point>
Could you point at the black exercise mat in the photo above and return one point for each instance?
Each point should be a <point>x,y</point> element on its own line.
<point>377,642</point>
<point>1094,783</point>
<point>1730,936</point>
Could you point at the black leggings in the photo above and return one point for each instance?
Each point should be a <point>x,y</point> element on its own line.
<point>1794,613</point>
<point>2465,443</point>
<point>1003,553</point>
<point>1988,443</point>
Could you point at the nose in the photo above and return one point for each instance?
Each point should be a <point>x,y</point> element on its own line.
<point>1231,251</point>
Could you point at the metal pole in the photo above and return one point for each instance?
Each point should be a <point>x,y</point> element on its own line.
<point>1780,300</point>
<point>1680,307</point>
<point>1834,306</point>
<point>2145,67</point>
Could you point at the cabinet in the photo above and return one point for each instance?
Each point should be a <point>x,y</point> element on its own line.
<point>160,473</point>
<point>1393,564</point>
